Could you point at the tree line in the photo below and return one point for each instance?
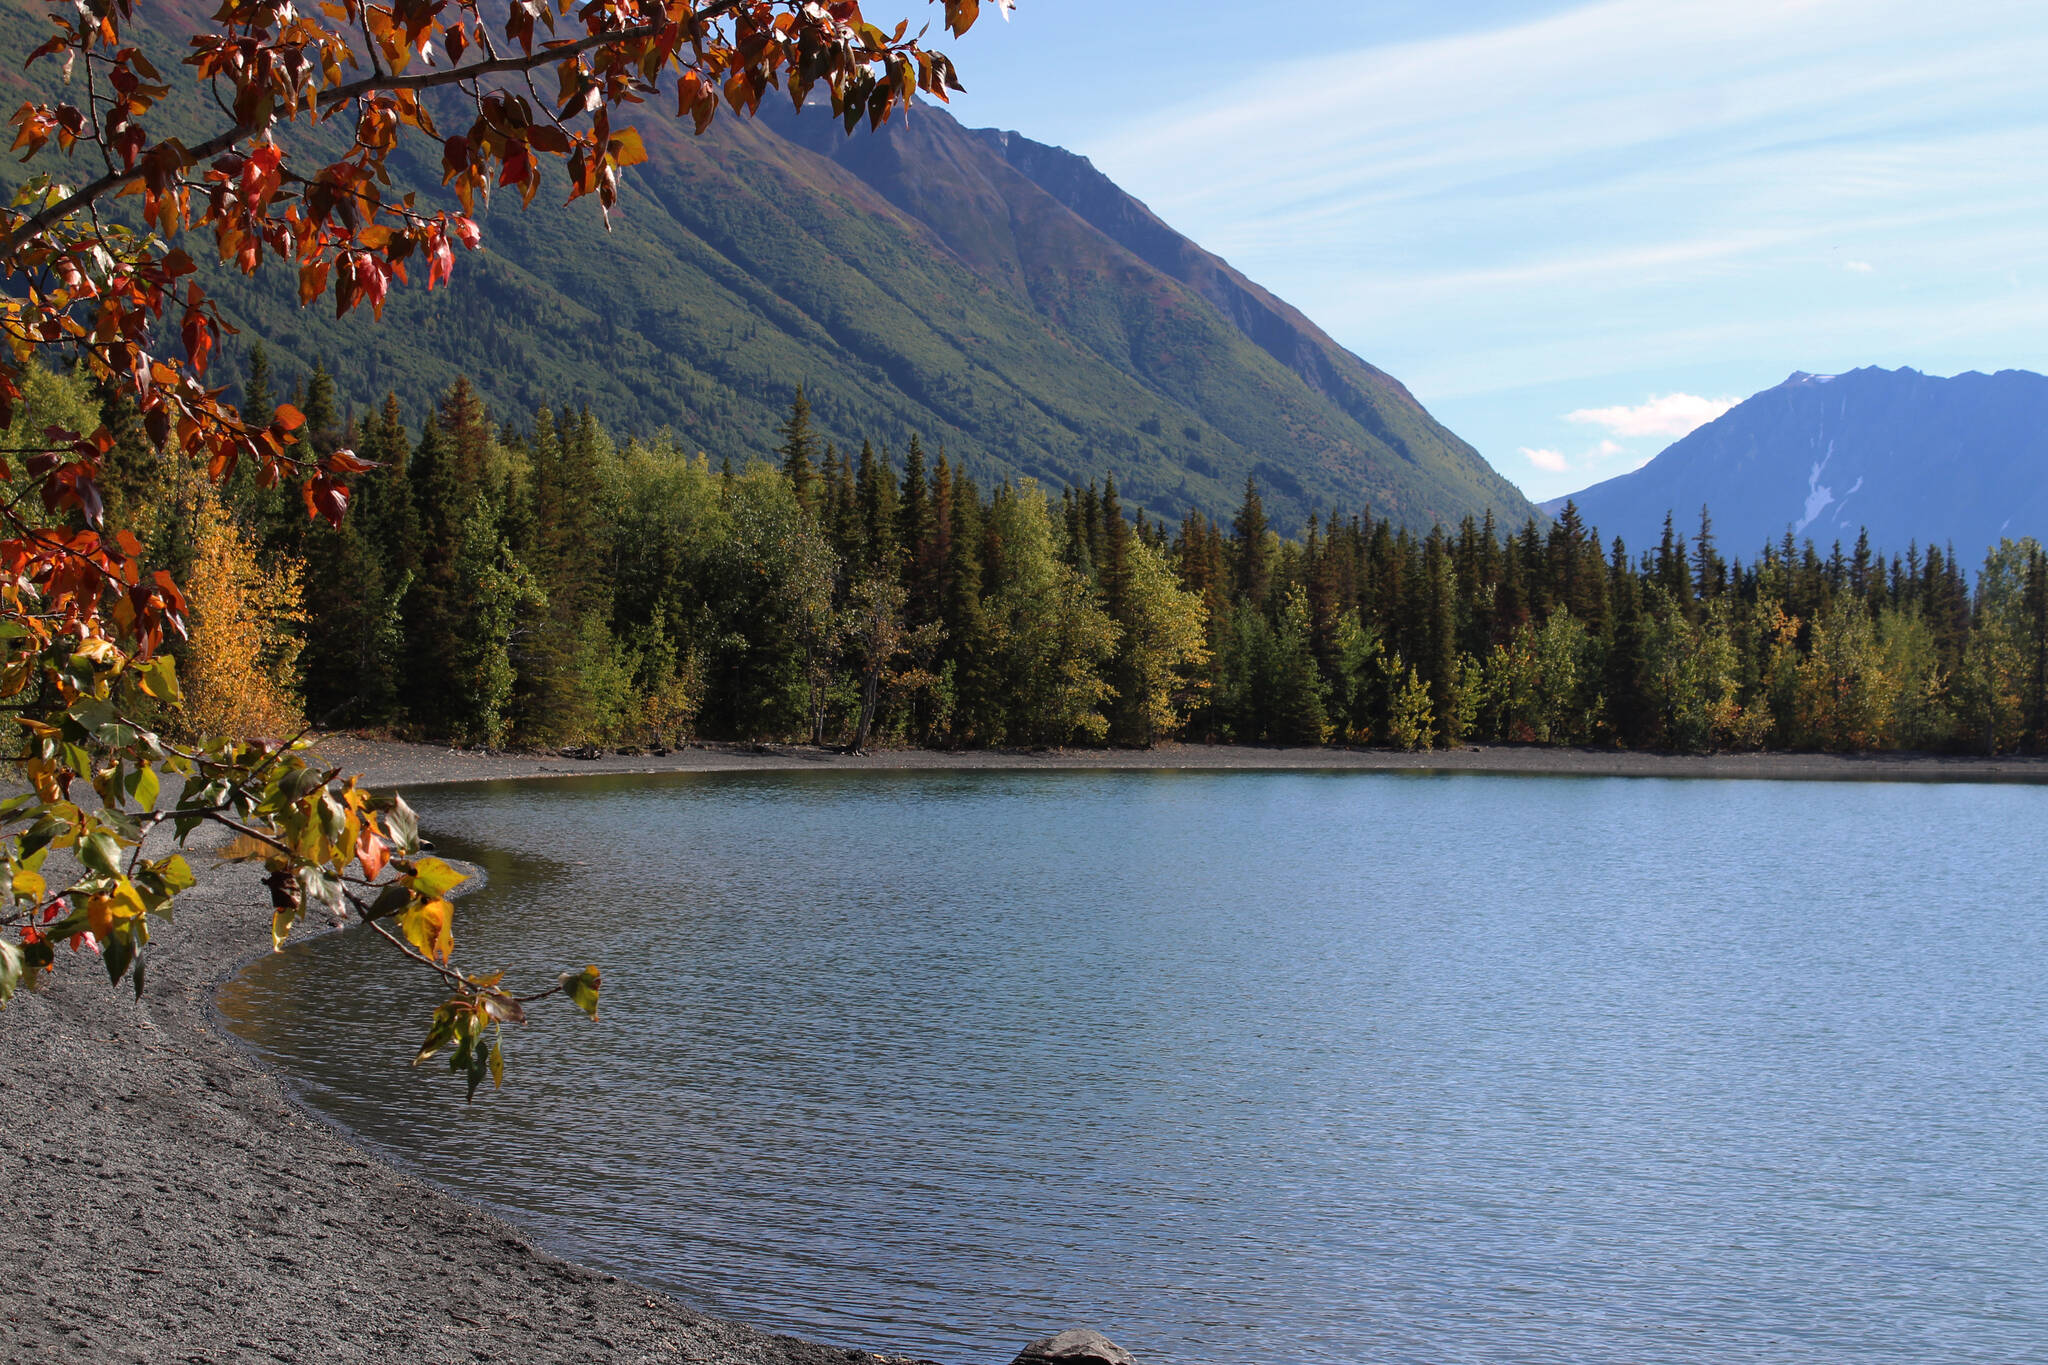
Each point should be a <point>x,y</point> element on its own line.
<point>545,585</point>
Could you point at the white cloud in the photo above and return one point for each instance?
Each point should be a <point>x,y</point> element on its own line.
<point>1673,415</point>
<point>1557,462</point>
<point>1859,267</point>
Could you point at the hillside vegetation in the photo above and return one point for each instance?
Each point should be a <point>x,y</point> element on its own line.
<point>996,297</point>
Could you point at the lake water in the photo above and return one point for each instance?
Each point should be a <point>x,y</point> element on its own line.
<point>1251,1067</point>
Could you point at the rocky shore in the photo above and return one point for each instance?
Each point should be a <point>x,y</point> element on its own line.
<point>163,1200</point>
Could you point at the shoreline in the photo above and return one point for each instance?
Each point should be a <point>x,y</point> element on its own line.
<point>397,763</point>
<point>167,1197</point>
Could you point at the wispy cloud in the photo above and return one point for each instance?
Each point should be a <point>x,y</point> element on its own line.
<point>1563,100</point>
<point>1665,196</point>
<point>1672,415</point>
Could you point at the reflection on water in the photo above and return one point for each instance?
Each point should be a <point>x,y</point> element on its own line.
<point>1287,1068</point>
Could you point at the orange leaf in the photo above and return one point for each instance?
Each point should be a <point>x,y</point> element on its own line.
<point>626,148</point>
<point>373,853</point>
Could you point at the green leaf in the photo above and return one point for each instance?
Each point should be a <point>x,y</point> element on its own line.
<point>123,824</point>
<point>299,782</point>
<point>101,852</point>
<point>582,988</point>
<point>440,1032</point>
<point>93,714</point>
<point>392,899</point>
<point>159,678</point>
<point>117,952</point>
<point>176,874</point>
<point>144,786</point>
<point>73,923</point>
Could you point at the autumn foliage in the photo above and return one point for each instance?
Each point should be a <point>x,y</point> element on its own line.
<point>101,250</point>
<point>239,677</point>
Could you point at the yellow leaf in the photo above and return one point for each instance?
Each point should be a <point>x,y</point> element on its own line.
<point>430,926</point>
<point>626,148</point>
<point>244,848</point>
<point>432,877</point>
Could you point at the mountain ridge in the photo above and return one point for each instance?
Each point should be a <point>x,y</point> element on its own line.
<point>1905,456</point>
<point>922,280</point>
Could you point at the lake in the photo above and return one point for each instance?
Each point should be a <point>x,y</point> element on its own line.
<point>1248,1066</point>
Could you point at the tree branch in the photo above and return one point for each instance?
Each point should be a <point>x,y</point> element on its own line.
<point>220,142</point>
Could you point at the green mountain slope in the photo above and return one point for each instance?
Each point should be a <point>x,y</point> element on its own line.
<point>923,280</point>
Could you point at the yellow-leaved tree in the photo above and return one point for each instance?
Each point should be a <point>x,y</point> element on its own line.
<point>238,670</point>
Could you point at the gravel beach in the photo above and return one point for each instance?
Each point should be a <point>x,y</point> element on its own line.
<point>162,1199</point>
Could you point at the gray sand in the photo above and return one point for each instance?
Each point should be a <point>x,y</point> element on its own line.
<point>162,1199</point>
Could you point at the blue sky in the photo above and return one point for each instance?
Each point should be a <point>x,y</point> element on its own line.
<point>1576,230</point>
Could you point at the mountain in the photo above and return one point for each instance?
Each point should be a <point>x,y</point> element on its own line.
<point>1910,456</point>
<point>998,297</point>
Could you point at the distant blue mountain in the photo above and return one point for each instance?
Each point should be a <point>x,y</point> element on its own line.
<point>1910,456</point>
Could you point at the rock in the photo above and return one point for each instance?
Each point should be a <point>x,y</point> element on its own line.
<point>1076,1346</point>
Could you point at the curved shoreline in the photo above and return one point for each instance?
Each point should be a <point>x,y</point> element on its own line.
<point>164,1197</point>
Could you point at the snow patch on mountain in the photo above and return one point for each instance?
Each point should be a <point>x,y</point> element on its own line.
<point>1842,508</point>
<point>1818,496</point>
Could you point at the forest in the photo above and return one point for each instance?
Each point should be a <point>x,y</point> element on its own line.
<point>538,584</point>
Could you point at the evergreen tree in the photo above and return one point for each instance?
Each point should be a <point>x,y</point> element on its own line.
<point>914,537</point>
<point>1248,539</point>
<point>1297,690</point>
<point>876,498</point>
<point>799,448</point>
<point>258,405</point>
<point>1709,572</point>
<point>1437,649</point>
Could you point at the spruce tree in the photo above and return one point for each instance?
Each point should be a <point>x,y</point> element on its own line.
<point>1248,540</point>
<point>258,404</point>
<point>914,531</point>
<point>876,495</point>
<point>1113,579</point>
<point>1709,572</point>
<point>799,448</point>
